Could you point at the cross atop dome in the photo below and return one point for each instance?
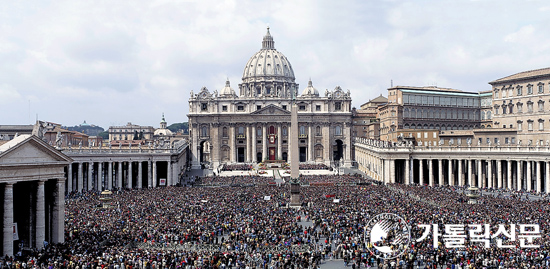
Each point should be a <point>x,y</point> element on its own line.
<point>268,42</point>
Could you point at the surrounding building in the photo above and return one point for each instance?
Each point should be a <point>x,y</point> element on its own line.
<point>254,125</point>
<point>521,102</point>
<point>366,122</point>
<point>32,179</point>
<point>130,132</point>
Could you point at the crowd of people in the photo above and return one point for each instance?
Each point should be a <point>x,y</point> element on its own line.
<point>333,179</point>
<point>232,180</point>
<point>237,167</point>
<point>251,227</point>
<point>316,166</point>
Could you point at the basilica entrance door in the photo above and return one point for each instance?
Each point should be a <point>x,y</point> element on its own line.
<point>272,154</point>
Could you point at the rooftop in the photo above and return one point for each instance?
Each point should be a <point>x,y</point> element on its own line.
<point>523,75</point>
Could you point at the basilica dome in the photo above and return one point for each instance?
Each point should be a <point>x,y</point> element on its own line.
<point>268,62</point>
<point>310,90</point>
<point>227,91</point>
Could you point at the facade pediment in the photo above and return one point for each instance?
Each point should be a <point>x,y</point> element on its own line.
<point>31,150</point>
<point>271,110</point>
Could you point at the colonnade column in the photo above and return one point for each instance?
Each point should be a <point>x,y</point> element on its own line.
<point>547,179</point>
<point>392,171</point>
<point>110,176</point>
<point>450,173</point>
<point>407,171</point>
<point>70,178</point>
<point>421,172</point>
<point>279,142</point>
<point>154,174</point>
<point>58,218</point>
<point>499,173</point>
<point>509,174</point>
<point>119,176</point>
<point>169,173</point>
<point>490,182</point>
<point>538,188</point>
<point>528,188</point>
<point>80,184</point>
<point>8,219</point>
<point>310,142</point>
<point>264,143</point>
<point>519,177</point>
<point>99,176</point>
<point>140,176</point>
<point>90,175</point>
<point>129,175</point>
<point>469,182</point>
<point>411,172</point>
<point>149,175</point>
<point>460,176</point>
<point>440,168</point>
<point>232,149</point>
<point>430,172</point>
<point>40,216</point>
<point>480,177</point>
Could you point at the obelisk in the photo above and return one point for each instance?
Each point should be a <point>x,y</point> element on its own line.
<point>294,157</point>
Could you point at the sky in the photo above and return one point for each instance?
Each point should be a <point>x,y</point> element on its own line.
<point>113,62</point>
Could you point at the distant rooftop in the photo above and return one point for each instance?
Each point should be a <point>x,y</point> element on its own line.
<point>11,143</point>
<point>523,75</point>
<point>425,88</point>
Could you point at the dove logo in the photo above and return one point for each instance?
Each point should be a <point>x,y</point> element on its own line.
<point>387,236</point>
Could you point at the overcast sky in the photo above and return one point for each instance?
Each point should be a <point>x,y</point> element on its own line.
<point>113,62</point>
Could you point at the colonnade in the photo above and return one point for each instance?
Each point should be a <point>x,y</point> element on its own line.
<point>99,175</point>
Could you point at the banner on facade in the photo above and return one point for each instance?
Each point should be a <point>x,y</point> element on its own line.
<point>15,232</point>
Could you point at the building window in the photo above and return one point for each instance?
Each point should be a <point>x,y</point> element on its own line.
<point>318,130</point>
<point>541,125</point>
<point>284,107</point>
<point>506,140</point>
<point>258,90</point>
<point>204,131</point>
<point>541,88</point>
<point>302,107</point>
<point>541,106</point>
<point>530,125</point>
<point>259,132</point>
<point>520,107</point>
<point>241,130</point>
<point>337,106</point>
<point>511,108</point>
<point>338,130</point>
<point>317,108</point>
<point>519,91</point>
<point>520,125</point>
<point>496,140</point>
<point>204,106</point>
<point>224,108</point>
<point>258,107</point>
<point>503,109</point>
<point>529,107</point>
<point>284,131</point>
<point>240,108</point>
<point>488,141</point>
<point>302,130</point>
<point>224,131</point>
<point>513,140</point>
<point>529,89</point>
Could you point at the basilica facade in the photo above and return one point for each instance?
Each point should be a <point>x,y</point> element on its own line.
<point>254,125</point>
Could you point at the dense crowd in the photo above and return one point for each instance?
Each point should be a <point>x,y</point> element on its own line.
<point>317,166</point>
<point>237,167</point>
<point>234,227</point>
<point>231,180</point>
<point>336,179</point>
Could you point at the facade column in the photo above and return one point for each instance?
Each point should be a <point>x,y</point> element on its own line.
<point>392,171</point>
<point>254,144</point>
<point>528,188</point>
<point>149,175</point>
<point>407,171</point>
<point>248,144</point>
<point>326,143</point>
<point>310,144</point>
<point>194,131</point>
<point>90,176</point>
<point>469,178</point>
<point>430,172</point>
<point>140,176</point>
<point>547,177</point>
<point>450,173</point>
<point>499,173</point>
<point>80,184</point>
<point>265,156</point>
<point>8,219</point>
<point>119,176</point>
<point>440,168</point>
<point>99,176</point>
<point>129,174</point>
<point>169,173</point>
<point>110,176</point>
<point>70,178</point>
<point>480,177</point>
<point>279,142</point>
<point>538,188</point>
<point>154,174</point>
<point>421,172</point>
<point>40,216</point>
<point>460,175</point>
<point>509,174</point>
<point>58,218</point>
<point>410,171</point>
<point>233,145</point>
